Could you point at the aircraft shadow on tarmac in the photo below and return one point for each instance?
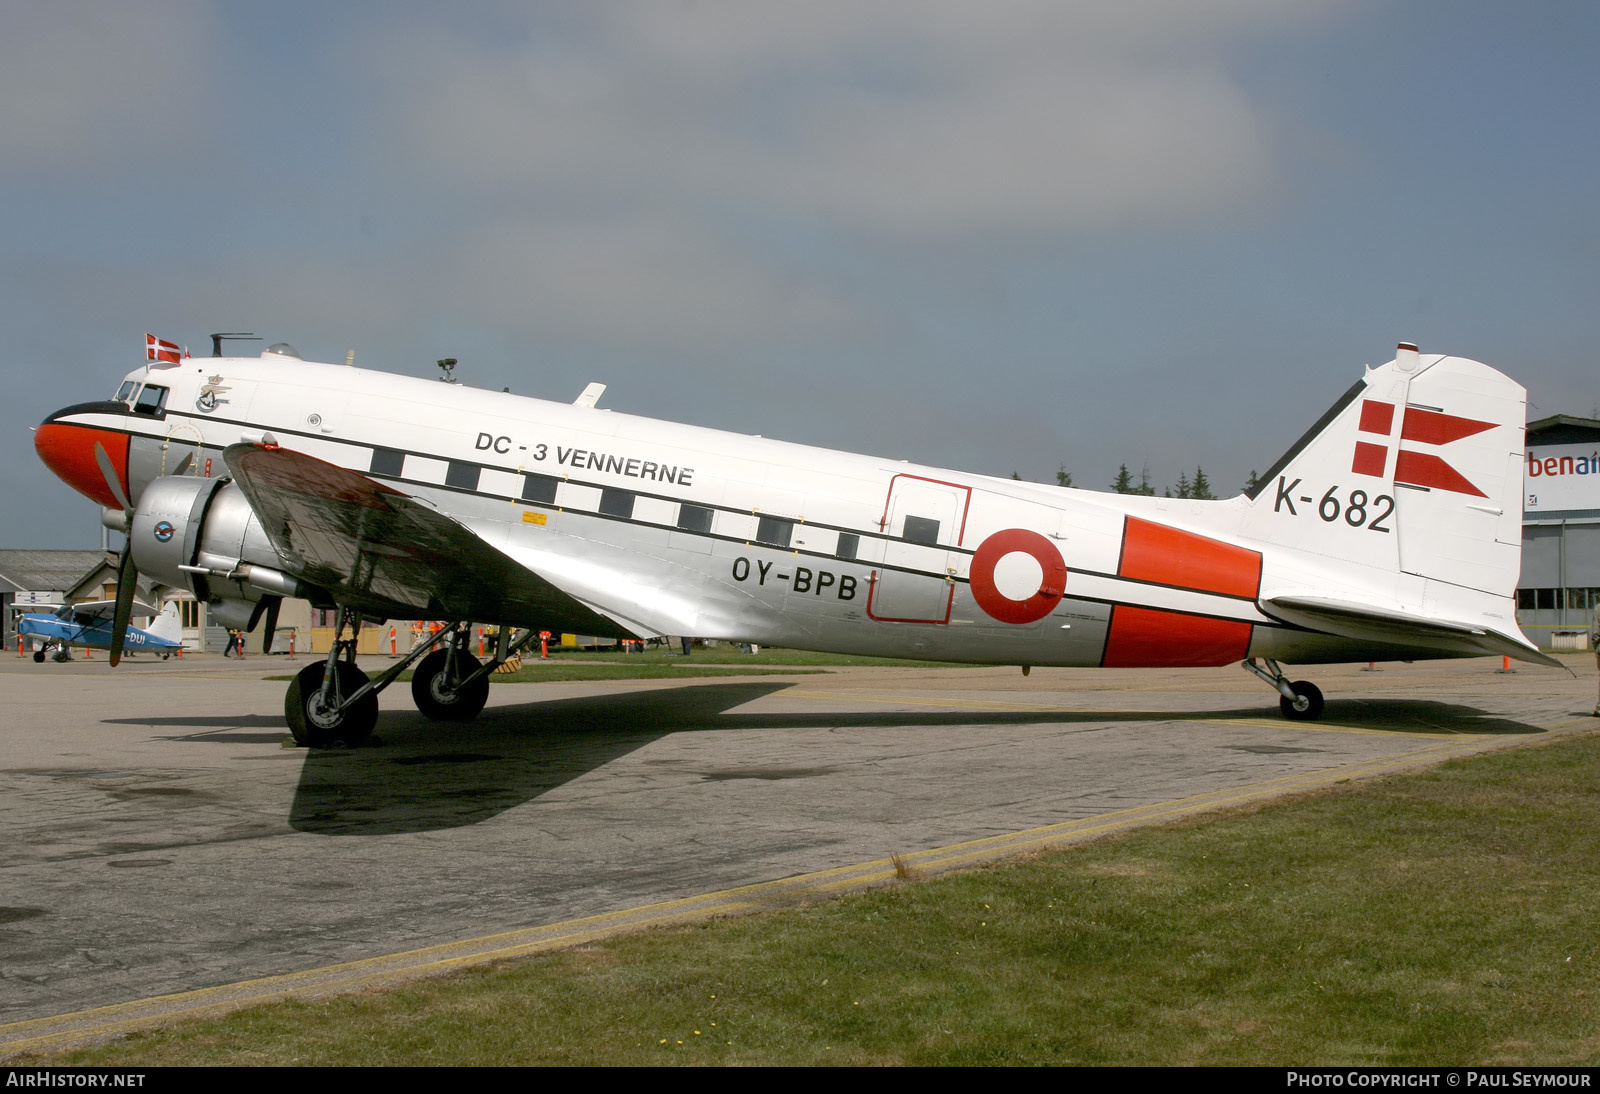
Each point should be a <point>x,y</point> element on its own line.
<point>217,728</point>
<point>424,775</point>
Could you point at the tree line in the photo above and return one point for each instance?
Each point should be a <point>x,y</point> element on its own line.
<point>1197,487</point>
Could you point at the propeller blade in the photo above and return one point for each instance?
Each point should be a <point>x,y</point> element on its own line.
<point>273,604</point>
<point>110,473</point>
<point>127,582</point>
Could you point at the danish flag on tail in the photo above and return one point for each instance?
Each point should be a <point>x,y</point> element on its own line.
<point>1413,466</point>
<point>161,350</point>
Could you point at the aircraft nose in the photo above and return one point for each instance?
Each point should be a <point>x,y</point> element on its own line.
<point>73,451</point>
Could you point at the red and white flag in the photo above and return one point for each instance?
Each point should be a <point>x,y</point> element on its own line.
<point>159,349</point>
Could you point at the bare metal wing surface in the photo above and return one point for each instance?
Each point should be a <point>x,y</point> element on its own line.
<point>375,547</point>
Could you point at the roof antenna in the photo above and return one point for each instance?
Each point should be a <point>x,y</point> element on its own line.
<point>232,336</point>
<point>447,365</point>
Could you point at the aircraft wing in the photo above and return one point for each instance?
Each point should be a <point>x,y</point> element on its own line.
<point>104,609</point>
<point>1371,623</point>
<point>391,554</point>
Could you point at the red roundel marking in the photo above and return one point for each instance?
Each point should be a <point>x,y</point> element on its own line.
<point>996,603</point>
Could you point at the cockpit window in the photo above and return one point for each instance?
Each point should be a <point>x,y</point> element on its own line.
<point>125,392</point>
<point>152,400</point>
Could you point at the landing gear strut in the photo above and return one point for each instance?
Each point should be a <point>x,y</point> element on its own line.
<point>1301,700</point>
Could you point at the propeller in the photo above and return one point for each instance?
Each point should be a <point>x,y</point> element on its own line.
<point>127,573</point>
<point>273,604</point>
<point>269,606</point>
<point>127,579</point>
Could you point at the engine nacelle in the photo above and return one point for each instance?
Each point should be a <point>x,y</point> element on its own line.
<point>201,534</point>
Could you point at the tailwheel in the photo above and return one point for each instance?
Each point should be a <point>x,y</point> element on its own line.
<point>317,723</point>
<point>437,689</point>
<point>1301,700</point>
<point>1306,706</point>
<point>38,657</point>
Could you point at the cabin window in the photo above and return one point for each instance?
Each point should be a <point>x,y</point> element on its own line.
<point>922,530</point>
<point>616,503</point>
<point>388,461</point>
<point>775,531</point>
<point>694,518</point>
<point>849,545</point>
<point>539,488</point>
<point>152,400</point>
<point>461,475</point>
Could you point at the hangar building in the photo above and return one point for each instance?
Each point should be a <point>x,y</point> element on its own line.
<point>1560,583</point>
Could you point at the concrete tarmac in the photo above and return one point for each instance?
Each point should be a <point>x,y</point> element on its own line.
<point>161,836</point>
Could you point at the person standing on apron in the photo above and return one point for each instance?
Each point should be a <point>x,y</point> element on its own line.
<point>1594,644</point>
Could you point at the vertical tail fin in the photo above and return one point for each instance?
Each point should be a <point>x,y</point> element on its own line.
<point>167,625</point>
<point>1417,470</point>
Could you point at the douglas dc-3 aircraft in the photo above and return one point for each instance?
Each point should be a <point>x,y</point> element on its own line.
<point>88,625</point>
<point>1391,531</point>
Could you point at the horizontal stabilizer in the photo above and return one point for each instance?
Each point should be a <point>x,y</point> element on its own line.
<point>1386,625</point>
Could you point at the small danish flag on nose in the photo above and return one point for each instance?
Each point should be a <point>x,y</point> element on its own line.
<point>1429,427</point>
<point>159,349</point>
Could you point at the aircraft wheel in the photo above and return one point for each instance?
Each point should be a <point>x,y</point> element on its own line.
<point>312,725</point>
<point>440,702</point>
<point>38,657</point>
<point>1307,705</point>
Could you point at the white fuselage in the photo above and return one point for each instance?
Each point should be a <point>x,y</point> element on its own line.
<point>676,529</point>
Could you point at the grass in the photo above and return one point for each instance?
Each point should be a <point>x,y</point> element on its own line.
<point>552,671</point>
<point>728,654</point>
<point>655,664</point>
<point>1438,918</point>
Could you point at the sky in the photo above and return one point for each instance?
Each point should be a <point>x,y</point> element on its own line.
<point>999,237</point>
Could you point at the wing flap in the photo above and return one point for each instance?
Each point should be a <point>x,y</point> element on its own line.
<point>392,554</point>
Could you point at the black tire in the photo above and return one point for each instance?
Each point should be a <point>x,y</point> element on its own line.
<point>438,702</point>
<point>1309,708</point>
<point>38,657</point>
<point>312,728</point>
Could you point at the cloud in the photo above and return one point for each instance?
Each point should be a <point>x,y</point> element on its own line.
<point>86,84</point>
<point>917,119</point>
<point>643,281</point>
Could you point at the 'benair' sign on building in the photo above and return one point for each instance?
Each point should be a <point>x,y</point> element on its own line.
<point>1562,476</point>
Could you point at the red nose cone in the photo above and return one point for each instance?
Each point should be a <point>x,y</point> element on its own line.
<point>69,451</point>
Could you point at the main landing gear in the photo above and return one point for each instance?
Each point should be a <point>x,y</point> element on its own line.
<point>1302,700</point>
<point>450,685</point>
<point>334,703</point>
